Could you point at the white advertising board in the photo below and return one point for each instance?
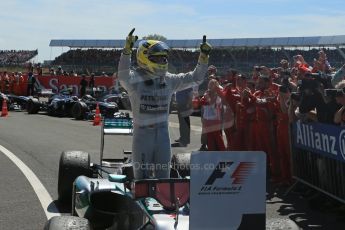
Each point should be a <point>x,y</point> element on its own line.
<point>228,190</point>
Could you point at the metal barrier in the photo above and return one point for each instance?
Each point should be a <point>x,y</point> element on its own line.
<point>318,157</point>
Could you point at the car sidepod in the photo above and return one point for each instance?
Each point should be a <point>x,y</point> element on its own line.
<point>106,204</point>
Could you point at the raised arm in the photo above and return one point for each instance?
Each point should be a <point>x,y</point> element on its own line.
<point>338,76</point>
<point>124,73</point>
<point>185,80</point>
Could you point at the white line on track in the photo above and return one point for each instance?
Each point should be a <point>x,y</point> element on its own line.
<point>36,184</point>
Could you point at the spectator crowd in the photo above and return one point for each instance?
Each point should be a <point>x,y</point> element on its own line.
<point>254,110</point>
<point>181,60</point>
<point>14,57</point>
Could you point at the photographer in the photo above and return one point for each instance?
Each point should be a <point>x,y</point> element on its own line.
<point>311,90</point>
<point>339,116</point>
<point>286,80</point>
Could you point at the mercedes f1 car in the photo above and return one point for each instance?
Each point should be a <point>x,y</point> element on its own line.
<point>105,195</point>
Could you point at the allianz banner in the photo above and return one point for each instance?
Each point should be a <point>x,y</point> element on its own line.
<point>327,140</point>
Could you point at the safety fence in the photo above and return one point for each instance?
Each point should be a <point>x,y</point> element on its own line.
<point>318,157</point>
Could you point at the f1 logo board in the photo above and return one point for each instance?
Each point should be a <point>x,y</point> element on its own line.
<point>228,190</point>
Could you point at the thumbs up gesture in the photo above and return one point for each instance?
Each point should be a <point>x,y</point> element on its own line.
<point>205,47</point>
<point>130,40</point>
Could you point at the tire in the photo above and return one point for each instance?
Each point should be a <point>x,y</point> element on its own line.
<point>33,106</point>
<point>126,103</point>
<point>109,110</point>
<point>279,223</point>
<point>51,111</point>
<point>181,163</point>
<point>67,223</point>
<point>72,164</point>
<point>78,110</point>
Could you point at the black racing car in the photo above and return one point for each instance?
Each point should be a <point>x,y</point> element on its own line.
<point>85,107</point>
<point>54,104</point>
<point>14,102</point>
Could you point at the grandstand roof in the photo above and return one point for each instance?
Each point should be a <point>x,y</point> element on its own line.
<point>337,40</point>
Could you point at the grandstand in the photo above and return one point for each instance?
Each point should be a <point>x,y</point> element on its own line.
<point>240,53</point>
<point>15,58</point>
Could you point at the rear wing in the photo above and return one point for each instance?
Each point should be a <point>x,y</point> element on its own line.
<point>121,124</point>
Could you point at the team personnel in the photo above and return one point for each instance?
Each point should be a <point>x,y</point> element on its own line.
<point>212,120</point>
<point>211,73</point>
<point>83,84</point>
<point>31,84</point>
<point>184,110</point>
<point>150,87</point>
<point>265,103</point>
<point>230,97</point>
<point>282,137</point>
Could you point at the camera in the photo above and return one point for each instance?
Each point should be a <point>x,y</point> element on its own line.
<point>308,84</point>
<point>334,92</point>
<point>313,81</point>
<point>284,88</point>
<point>295,96</point>
<point>285,73</point>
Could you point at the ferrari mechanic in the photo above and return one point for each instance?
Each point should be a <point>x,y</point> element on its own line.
<point>150,87</point>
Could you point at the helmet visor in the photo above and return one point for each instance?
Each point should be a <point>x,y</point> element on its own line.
<point>160,49</point>
<point>158,59</point>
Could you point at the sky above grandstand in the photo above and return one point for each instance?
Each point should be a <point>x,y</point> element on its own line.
<point>32,24</point>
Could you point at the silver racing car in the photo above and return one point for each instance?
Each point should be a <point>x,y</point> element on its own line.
<point>105,195</point>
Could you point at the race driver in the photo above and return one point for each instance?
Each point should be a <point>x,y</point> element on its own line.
<point>150,87</point>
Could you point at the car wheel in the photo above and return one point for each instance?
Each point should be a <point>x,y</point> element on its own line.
<point>109,109</point>
<point>78,110</point>
<point>33,106</point>
<point>51,111</point>
<point>72,164</point>
<point>125,103</point>
<point>67,223</point>
<point>181,163</point>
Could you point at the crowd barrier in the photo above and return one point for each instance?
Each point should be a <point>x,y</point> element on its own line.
<point>318,157</point>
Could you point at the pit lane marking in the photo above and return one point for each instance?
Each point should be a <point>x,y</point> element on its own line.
<point>192,127</point>
<point>41,192</point>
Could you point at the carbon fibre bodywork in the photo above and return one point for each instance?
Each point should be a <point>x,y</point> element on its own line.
<point>65,105</point>
<point>14,102</point>
<point>109,204</point>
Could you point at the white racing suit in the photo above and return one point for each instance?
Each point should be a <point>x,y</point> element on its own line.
<point>150,102</point>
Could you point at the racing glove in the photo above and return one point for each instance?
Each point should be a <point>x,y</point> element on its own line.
<point>130,40</point>
<point>205,49</point>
